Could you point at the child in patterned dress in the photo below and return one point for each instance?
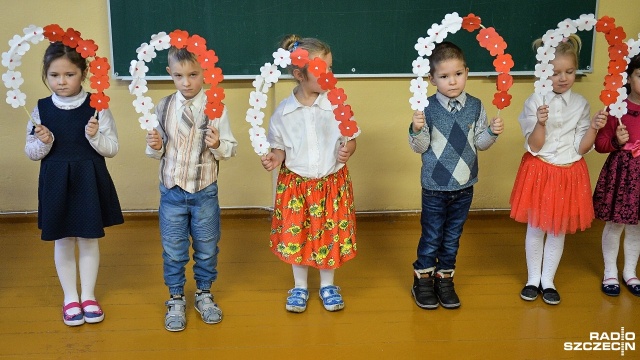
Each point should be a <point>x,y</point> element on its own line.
<point>313,222</point>
<point>616,198</point>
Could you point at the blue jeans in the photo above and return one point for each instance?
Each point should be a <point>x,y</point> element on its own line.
<point>443,216</point>
<point>183,214</point>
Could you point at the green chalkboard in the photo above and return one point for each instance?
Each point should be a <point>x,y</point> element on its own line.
<point>368,37</point>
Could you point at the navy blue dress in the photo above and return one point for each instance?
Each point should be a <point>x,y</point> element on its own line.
<point>76,196</point>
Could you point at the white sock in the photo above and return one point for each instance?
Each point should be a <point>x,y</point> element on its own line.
<point>326,277</point>
<point>610,245</point>
<point>89,262</point>
<point>631,253</point>
<point>552,253</point>
<point>300,276</point>
<point>64,255</point>
<point>533,246</point>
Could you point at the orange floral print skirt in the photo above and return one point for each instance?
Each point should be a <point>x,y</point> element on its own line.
<point>314,220</point>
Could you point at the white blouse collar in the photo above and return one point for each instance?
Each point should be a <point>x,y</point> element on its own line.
<point>69,102</point>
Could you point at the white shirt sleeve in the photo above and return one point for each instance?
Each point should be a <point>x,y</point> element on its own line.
<point>583,125</point>
<point>528,120</point>
<point>34,148</point>
<point>105,141</point>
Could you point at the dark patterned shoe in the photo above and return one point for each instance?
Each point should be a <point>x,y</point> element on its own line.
<point>551,296</point>
<point>635,289</point>
<point>611,289</point>
<point>529,293</point>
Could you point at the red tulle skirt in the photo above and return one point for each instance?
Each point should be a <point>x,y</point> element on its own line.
<point>314,220</point>
<point>556,199</point>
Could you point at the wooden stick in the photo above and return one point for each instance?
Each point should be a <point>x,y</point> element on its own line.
<point>30,118</point>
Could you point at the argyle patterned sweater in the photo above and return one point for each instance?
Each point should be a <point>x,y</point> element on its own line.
<point>450,162</point>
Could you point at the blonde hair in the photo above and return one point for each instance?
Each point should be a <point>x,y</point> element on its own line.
<point>568,46</point>
<point>314,46</point>
<point>181,55</point>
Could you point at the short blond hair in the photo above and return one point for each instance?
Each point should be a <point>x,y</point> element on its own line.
<point>181,55</point>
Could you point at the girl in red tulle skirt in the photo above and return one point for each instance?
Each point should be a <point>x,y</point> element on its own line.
<point>552,191</point>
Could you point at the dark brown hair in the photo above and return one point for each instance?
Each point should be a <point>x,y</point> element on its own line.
<point>634,64</point>
<point>57,50</point>
<point>445,51</point>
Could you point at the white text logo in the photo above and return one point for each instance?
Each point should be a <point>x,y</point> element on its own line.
<point>606,341</point>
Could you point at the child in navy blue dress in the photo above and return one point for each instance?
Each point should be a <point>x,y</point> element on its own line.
<point>76,196</point>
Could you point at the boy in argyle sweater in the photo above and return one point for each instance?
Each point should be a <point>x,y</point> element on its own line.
<point>447,134</point>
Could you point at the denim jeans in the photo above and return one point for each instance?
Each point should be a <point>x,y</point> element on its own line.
<point>182,214</point>
<point>443,216</point>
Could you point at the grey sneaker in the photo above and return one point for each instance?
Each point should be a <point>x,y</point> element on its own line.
<point>207,308</point>
<point>175,318</point>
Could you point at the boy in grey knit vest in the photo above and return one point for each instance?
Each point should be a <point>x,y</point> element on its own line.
<point>447,134</point>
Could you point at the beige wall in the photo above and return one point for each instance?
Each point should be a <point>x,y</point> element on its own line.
<point>384,170</point>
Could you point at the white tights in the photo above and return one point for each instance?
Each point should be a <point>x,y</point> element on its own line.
<point>610,245</point>
<point>88,260</point>
<point>300,274</point>
<point>542,258</point>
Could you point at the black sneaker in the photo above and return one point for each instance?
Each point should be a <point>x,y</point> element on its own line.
<point>446,293</point>
<point>551,296</point>
<point>529,293</point>
<point>423,292</point>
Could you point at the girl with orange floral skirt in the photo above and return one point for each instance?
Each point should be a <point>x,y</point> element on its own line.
<point>313,221</point>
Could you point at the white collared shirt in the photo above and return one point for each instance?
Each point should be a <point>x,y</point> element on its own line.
<point>462,99</point>
<point>309,136</point>
<point>105,141</point>
<point>569,120</point>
